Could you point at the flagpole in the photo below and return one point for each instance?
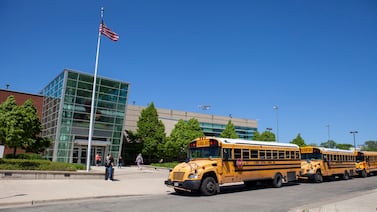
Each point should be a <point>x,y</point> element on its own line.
<point>93,100</point>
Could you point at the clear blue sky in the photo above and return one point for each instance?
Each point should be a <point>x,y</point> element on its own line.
<point>315,59</point>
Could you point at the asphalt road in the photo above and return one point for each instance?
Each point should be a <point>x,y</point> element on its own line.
<point>231,199</point>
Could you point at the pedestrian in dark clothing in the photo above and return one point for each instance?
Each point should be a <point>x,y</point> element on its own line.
<point>120,162</point>
<point>109,168</point>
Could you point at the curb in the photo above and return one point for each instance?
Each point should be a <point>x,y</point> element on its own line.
<point>52,201</point>
<point>46,175</point>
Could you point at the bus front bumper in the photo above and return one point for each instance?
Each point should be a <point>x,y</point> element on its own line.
<point>187,185</point>
<point>307,174</point>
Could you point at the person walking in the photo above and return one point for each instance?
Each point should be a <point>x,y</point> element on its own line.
<point>109,168</point>
<point>98,159</point>
<point>120,162</point>
<point>139,160</point>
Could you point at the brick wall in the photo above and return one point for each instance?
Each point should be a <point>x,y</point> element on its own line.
<point>20,99</point>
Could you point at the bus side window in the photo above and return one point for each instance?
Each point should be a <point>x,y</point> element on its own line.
<point>297,155</point>
<point>287,155</point>
<point>268,154</point>
<point>237,153</point>
<point>262,154</point>
<point>246,154</point>
<point>292,154</point>
<point>281,154</point>
<point>275,154</point>
<point>227,154</point>
<point>254,154</point>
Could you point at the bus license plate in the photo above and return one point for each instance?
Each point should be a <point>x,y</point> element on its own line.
<point>176,184</point>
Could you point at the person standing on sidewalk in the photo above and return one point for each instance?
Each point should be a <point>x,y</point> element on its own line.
<point>139,160</point>
<point>120,162</point>
<point>98,159</point>
<point>109,168</point>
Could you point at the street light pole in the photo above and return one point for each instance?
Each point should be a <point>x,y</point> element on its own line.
<point>275,107</point>
<point>328,133</point>
<point>354,140</point>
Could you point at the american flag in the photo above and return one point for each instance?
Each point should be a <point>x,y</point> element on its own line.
<point>108,33</point>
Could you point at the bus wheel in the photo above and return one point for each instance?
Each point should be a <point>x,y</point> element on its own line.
<point>278,181</point>
<point>346,176</point>
<point>363,173</point>
<point>209,186</point>
<point>318,177</point>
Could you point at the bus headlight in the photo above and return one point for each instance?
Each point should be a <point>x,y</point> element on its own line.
<point>193,176</point>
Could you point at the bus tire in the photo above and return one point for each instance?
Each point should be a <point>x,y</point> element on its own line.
<point>318,177</point>
<point>209,186</point>
<point>346,176</point>
<point>363,173</point>
<point>277,181</point>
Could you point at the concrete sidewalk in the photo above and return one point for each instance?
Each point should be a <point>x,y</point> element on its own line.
<point>128,181</point>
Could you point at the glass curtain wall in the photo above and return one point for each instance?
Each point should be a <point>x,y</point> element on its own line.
<point>72,124</point>
<point>50,113</point>
<point>215,130</point>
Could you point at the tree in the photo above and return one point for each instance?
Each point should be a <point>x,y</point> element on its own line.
<point>32,127</point>
<point>312,144</point>
<point>264,136</point>
<point>12,125</point>
<point>20,126</point>
<point>267,136</point>
<point>151,131</point>
<point>193,130</point>
<point>174,144</point>
<point>180,137</point>
<point>298,141</point>
<point>256,136</point>
<point>328,144</point>
<point>370,146</point>
<point>229,131</point>
<point>39,145</point>
<point>344,146</point>
<point>6,110</point>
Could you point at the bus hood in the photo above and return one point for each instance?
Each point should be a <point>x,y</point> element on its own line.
<point>194,165</point>
<point>310,164</point>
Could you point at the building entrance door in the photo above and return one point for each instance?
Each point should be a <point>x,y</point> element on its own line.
<point>80,154</point>
<point>101,151</point>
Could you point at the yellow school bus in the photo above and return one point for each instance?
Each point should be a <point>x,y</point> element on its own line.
<point>366,163</point>
<point>217,161</point>
<point>319,162</point>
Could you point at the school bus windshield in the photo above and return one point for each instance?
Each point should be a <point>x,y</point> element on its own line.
<point>311,156</point>
<point>205,152</point>
<point>359,158</point>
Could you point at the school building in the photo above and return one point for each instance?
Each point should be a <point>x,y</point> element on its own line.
<point>64,106</point>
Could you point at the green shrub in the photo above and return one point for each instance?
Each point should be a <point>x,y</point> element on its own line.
<point>45,165</point>
<point>30,156</point>
<point>9,156</point>
<point>165,165</point>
